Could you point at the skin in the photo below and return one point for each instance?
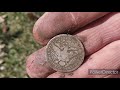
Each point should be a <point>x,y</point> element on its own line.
<point>99,33</point>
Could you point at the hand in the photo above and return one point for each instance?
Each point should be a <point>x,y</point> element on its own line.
<point>99,32</point>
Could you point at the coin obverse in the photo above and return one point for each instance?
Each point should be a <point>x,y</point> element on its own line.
<point>65,53</point>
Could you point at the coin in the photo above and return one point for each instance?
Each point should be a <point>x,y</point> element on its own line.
<point>65,53</point>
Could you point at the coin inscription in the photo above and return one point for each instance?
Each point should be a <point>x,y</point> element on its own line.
<point>65,53</point>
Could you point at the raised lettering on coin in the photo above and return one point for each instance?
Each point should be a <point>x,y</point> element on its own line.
<point>65,53</point>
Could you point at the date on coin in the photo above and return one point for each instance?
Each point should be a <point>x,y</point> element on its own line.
<point>65,53</point>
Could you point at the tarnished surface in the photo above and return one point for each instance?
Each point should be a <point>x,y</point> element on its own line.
<point>64,53</point>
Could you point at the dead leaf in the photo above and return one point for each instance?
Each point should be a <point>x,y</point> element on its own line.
<point>1,51</point>
<point>1,61</point>
<point>32,16</point>
<point>2,19</point>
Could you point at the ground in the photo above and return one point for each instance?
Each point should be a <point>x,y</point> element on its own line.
<point>16,43</point>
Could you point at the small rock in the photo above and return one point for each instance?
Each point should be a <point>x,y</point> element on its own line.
<point>2,68</point>
<point>2,46</point>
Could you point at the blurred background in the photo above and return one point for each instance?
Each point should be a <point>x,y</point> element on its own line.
<point>16,42</point>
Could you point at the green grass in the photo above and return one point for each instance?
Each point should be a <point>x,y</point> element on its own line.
<point>19,43</point>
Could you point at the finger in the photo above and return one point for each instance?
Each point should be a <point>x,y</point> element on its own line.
<point>106,58</point>
<point>100,33</point>
<point>112,76</point>
<point>53,23</point>
<point>36,65</point>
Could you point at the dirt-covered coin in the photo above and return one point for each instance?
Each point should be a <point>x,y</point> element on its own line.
<point>65,53</point>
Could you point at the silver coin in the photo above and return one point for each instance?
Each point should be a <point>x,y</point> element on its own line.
<point>65,53</point>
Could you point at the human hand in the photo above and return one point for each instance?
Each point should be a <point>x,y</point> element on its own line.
<point>98,31</point>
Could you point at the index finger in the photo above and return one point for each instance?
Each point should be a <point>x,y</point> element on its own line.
<point>53,23</point>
